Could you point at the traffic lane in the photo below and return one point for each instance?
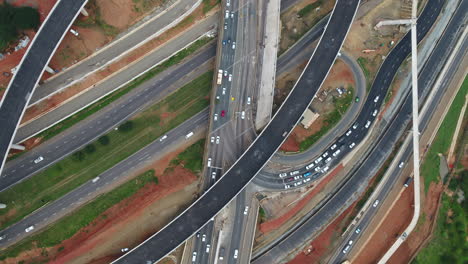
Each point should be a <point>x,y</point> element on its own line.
<point>89,129</point>
<point>382,81</point>
<point>424,120</point>
<point>107,54</point>
<point>346,193</point>
<point>259,152</point>
<point>24,81</point>
<point>90,189</point>
<point>233,246</point>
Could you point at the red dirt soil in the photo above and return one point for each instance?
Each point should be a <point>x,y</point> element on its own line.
<point>321,244</point>
<point>279,221</point>
<point>385,235</point>
<point>290,145</point>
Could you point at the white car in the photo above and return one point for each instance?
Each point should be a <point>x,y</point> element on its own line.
<point>217,139</point>
<point>318,160</point>
<point>39,159</point>
<point>297,183</point>
<point>287,186</point>
<point>375,112</point>
<point>297,177</point>
<point>95,179</point>
<point>355,125</point>
<point>2,237</point>
<point>163,138</point>
<point>227,13</point>
<point>124,249</point>
<point>348,133</point>
<point>346,249</point>
<point>215,117</point>
<point>350,242</point>
<point>328,160</point>
<point>317,169</point>
<point>236,253</point>
<point>358,230</point>
<point>29,229</point>
<point>248,100</point>
<point>375,203</point>
<point>325,169</point>
<point>233,45</point>
<point>307,180</point>
<point>336,153</point>
<point>401,164</point>
<point>228,3</point>
<point>208,246</point>
<point>246,210</point>
<point>325,155</point>
<point>243,115</point>
<point>230,78</point>
<point>368,124</point>
<point>333,147</point>
<point>203,238</point>
<point>292,173</point>
<point>232,14</point>
<point>352,145</point>
<point>376,99</point>
<point>212,139</point>
<point>225,73</point>
<point>194,256</point>
<point>213,175</point>
<point>310,166</point>
<point>209,162</point>
<point>282,175</point>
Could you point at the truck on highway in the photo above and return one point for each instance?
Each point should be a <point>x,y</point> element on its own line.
<point>408,181</point>
<point>220,76</point>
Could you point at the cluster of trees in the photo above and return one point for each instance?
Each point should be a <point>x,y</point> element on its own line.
<point>13,20</point>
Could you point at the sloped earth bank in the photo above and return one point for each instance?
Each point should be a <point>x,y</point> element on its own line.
<point>127,223</point>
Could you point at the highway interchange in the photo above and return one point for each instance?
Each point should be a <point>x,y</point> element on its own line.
<point>199,123</point>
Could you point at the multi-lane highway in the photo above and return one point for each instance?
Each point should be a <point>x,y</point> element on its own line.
<point>31,67</point>
<point>262,148</point>
<point>432,68</point>
<point>350,190</point>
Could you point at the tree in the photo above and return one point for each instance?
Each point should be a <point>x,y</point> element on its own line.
<point>78,156</point>
<point>127,126</point>
<point>104,140</point>
<point>90,148</point>
<point>26,18</point>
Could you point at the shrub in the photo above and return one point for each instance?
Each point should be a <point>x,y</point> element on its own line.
<point>13,19</point>
<point>104,140</point>
<point>127,126</point>
<point>79,155</point>
<point>90,148</point>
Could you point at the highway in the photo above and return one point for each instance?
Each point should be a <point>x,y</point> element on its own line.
<point>117,174</point>
<point>122,45</point>
<point>352,187</point>
<point>31,67</point>
<point>259,152</point>
<point>436,61</point>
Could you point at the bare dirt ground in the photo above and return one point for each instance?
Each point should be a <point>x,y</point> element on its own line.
<point>323,243</point>
<point>396,221</point>
<point>340,76</point>
<point>128,222</point>
<point>59,98</point>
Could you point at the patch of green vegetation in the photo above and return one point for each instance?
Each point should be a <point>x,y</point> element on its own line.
<point>192,157</point>
<point>261,215</point>
<point>449,244</point>
<point>15,19</point>
<point>88,111</point>
<point>364,64</point>
<point>209,4</point>
<point>443,139</point>
<point>83,217</point>
<point>341,106</point>
<point>309,8</point>
<point>88,163</point>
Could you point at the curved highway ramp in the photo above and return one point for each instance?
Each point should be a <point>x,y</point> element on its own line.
<point>31,68</point>
<point>256,156</point>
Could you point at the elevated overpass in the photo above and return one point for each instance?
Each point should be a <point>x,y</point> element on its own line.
<point>266,144</point>
<point>31,68</point>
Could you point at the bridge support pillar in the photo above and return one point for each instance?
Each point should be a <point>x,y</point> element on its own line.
<point>84,12</point>
<point>18,147</point>
<point>49,70</point>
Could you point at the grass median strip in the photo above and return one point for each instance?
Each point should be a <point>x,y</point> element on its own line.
<point>64,176</point>
<point>69,225</point>
<point>341,106</point>
<point>72,120</point>
<point>443,139</point>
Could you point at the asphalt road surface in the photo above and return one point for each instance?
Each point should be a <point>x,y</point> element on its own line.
<point>32,66</point>
<point>438,58</point>
<point>112,51</point>
<point>350,190</point>
<point>260,151</point>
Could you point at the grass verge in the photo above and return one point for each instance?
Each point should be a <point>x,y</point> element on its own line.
<point>72,120</point>
<point>341,106</point>
<point>449,243</point>
<point>71,224</point>
<point>309,8</point>
<point>83,165</point>
<point>191,158</point>
<point>443,139</point>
